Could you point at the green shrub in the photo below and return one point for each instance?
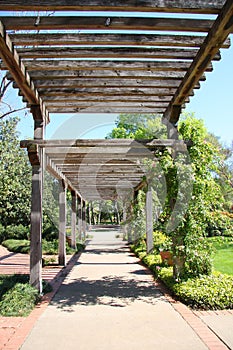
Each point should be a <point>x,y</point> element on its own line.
<point>153,262</point>
<point>8,282</point>
<point>17,246</point>
<point>48,247</point>
<point>50,231</point>
<point>220,224</point>
<point>17,232</point>
<point>19,301</point>
<point>160,239</point>
<point>205,292</point>
<point>14,232</point>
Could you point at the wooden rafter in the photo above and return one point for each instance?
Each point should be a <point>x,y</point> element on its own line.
<point>17,69</point>
<point>99,167</point>
<point>104,71</point>
<point>222,27</point>
<point>118,40</point>
<point>96,65</point>
<point>106,23</point>
<point>182,6</point>
<point>119,53</point>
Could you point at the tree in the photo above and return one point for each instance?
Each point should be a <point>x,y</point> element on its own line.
<point>15,177</point>
<point>190,252</point>
<point>131,126</point>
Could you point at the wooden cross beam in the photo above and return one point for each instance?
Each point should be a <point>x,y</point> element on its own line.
<point>220,30</point>
<point>18,71</point>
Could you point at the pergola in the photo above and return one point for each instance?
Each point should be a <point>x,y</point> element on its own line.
<point>134,56</point>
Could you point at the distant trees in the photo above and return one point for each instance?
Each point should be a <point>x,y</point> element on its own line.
<point>15,177</point>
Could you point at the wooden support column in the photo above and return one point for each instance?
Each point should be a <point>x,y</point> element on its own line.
<point>84,224</point>
<point>36,228</point>
<point>35,154</point>
<point>149,220</point>
<point>79,200</point>
<point>125,227</point>
<point>73,219</point>
<point>62,223</point>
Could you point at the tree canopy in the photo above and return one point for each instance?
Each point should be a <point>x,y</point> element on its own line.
<point>15,177</point>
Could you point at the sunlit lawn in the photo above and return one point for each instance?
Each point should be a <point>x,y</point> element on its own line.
<point>223,254</point>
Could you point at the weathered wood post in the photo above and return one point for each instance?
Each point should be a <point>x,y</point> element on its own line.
<point>62,223</point>
<point>73,218</point>
<point>35,154</point>
<point>84,224</point>
<point>79,200</point>
<point>149,220</point>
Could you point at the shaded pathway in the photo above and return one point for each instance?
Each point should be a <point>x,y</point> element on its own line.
<point>109,301</point>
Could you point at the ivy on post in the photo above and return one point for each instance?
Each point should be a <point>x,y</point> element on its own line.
<point>62,223</point>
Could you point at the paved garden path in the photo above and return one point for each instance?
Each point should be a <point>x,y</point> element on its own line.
<point>109,301</point>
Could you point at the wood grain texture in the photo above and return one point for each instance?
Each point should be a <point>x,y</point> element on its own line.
<point>117,40</point>
<point>106,23</point>
<point>182,6</point>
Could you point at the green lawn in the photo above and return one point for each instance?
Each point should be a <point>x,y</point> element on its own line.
<point>223,254</point>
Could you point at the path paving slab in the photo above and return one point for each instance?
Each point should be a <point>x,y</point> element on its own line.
<point>109,301</point>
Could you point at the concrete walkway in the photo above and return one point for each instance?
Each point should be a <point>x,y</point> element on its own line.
<point>109,301</point>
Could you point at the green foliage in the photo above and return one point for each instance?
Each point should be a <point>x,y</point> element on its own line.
<point>48,247</point>
<point>17,297</point>
<point>188,238</point>
<point>15,177</point>
<point>19,301</point>
<point>207,292</point>
<point>8,282</point>
<point>220,223</point>
<point>223,254</point>
<point>17,246</point>
<point>13,232</point>
<point>138,126</point>
<point>212,291</point>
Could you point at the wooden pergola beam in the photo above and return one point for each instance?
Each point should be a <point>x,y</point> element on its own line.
<point>112,74</point>
<point>113,53</point>
<point>222,27</point>
<point>90,65</point>
<point>117,40</point>
<point>17,69</point>
<point>180,6</point>
<point>84,83</point>
<point>106,23</point>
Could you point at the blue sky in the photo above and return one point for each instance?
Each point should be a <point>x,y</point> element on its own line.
<point>213,103</point>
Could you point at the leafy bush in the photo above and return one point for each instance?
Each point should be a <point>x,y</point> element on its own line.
<point>220,223</point>
<point>19,301</point>
<point>50,231</point>
<point>14,232</point>
<point>205,292</point>
<point>153,262</point>
<point>160,240</point>
<point>2,233</point>
<point>17,246</point>
<point>48,248</point>
<point>8,282</point>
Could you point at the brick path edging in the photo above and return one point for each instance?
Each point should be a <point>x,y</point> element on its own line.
<point>25,324</point>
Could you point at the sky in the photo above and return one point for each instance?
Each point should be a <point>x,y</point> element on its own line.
<point>213,103</point>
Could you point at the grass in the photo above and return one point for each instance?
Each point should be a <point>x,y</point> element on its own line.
<point>48,247</point>
<point>223,254</point>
